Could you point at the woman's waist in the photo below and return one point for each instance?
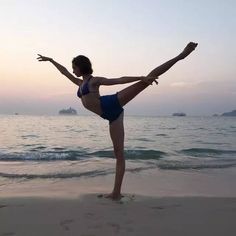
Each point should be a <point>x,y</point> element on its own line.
<point>93,105</point>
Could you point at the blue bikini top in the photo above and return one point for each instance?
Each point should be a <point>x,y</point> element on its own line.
<point>83,90</point>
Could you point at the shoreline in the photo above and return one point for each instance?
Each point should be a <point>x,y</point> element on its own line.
<point>150,183</point>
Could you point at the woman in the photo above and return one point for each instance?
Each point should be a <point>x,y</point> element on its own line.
<point>111,107</point>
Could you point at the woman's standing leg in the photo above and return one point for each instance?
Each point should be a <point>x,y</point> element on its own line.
<point>117,137</point>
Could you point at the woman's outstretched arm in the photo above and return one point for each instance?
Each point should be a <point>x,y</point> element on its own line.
<point>126,79</point>
<point>62,69</point>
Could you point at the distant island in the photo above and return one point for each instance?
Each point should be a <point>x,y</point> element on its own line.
<point>179,114</point>
<point>69,111</point>
<point>231,113</point>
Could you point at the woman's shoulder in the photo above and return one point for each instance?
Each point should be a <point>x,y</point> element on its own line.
<point>97,79</point>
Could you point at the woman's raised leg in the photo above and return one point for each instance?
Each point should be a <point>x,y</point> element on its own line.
<point>130,92</point>
<point>127,94</point>
<point>167,65</point>
<point>117,137</point>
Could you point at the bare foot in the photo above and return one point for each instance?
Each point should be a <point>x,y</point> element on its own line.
<point>112,196</point>
<point>187,50</point>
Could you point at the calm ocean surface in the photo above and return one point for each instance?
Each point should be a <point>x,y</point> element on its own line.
<point>79,146</point>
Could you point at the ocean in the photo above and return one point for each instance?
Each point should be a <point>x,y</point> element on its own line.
<point>59,147</point>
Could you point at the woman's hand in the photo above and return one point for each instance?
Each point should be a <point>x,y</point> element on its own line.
<point>43,58</point>
<point>149,79</point>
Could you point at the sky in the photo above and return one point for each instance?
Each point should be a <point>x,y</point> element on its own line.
<point>121,38</point>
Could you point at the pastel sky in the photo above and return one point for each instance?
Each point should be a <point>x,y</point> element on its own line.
<point>122,37</point>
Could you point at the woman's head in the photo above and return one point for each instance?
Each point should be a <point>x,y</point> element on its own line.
<point>82,66</point>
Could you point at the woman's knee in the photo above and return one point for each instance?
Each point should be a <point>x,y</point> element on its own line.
<point>119,153</point>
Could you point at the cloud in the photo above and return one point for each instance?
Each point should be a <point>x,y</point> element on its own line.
<point>182,84</point>
<point>179,84</point>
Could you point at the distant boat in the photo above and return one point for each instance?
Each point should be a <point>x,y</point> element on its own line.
<point>16,114</point>
<point>179,114</point>
<point>69,111</point>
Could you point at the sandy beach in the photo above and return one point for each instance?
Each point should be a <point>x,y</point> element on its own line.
<point>89,215</point>
<point>155,203</point>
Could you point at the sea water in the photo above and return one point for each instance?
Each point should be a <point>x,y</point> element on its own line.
<point>58,147</point>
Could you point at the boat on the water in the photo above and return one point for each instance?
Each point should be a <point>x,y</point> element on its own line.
<point>70,111</point>
<point>179,114</point>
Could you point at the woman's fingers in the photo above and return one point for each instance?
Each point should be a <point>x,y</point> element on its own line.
<point>154,79</point>
<point>156,82</point>
<point>43,58</point>
<point>150,80</point>
<point>40,57</point>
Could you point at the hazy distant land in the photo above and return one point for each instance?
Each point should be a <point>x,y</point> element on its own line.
<point>231,113</point>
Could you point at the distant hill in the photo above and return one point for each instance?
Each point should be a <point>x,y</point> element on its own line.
<point>69,111</point>
<point>232,113</point>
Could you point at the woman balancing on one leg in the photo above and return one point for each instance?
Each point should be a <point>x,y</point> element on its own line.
<point>111,107</point>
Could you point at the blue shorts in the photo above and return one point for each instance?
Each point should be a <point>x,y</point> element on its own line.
<point>111,108</point>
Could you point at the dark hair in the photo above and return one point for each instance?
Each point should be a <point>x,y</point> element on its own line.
<point>84,64</point>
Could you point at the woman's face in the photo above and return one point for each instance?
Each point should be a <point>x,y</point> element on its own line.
<point>76,70</point>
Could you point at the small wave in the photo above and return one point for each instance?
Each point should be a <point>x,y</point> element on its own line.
<point>59,149</point>
<point>161,135</point>
<point>210,143</point>
<point>192,166</point>
<point>168,128</point>
<point>35,149</point>
<point>44,156</point>
<point>29,136</point>
<point>201,152</point>
<point>86,174</point>
<point>133,154</point>
<point>144,140</point>
<point>63,154</point>
<point>93,173</point>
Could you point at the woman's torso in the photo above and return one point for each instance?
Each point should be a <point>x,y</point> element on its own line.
<point>91,98</point>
